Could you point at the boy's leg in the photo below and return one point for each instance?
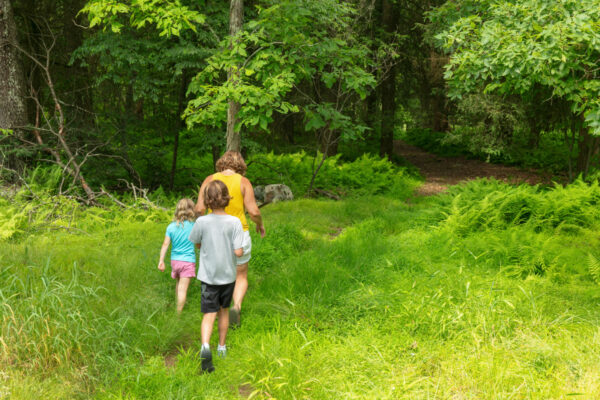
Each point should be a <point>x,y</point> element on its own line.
<point>223,315</point>
<point>182,287</point>
<point>208,321</point>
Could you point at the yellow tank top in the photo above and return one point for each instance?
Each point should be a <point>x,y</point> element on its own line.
<point>236,204</point>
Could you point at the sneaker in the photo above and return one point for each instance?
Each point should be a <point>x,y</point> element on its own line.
<point>234,318</point>
<point>207,364</point>
<point>222,352</point>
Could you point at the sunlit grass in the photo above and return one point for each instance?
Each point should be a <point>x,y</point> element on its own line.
<point>369,298</point>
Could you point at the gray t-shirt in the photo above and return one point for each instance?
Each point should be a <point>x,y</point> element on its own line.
<point>219,235</point>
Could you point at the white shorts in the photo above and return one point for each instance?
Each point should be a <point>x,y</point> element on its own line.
<point>247,246</point>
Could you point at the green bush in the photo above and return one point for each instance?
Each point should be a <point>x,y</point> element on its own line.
<point>435,142</point>
<point>551,154</point>
<point>367,175</point>
<point>489,204</point>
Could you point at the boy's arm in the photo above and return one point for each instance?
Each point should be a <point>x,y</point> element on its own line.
<point>196,235</point>
<point>239,252</point>
<point>163,252</point>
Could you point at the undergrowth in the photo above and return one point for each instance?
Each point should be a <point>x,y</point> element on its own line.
<point>489,291</point>
<point>551,154</point>
<point>366,175</point>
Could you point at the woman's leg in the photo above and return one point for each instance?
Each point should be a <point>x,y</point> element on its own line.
<point>223,316</point>
<point>241,286</point>
<point>182,287</point>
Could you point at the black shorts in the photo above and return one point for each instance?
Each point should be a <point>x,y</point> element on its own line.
<point>215,297</point>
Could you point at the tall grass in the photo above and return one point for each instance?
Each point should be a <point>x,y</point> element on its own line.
<point>482,293</point>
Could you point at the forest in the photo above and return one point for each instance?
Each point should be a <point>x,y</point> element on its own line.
<point>442,241</point>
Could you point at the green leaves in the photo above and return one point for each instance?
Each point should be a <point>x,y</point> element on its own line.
<point>170,17</point>
<point>510,47</point>
<point>291,51</point>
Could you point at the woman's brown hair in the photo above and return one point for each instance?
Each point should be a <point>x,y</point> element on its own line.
<point>216,195</point>
<point>184,211</point>
<point>232,160</point>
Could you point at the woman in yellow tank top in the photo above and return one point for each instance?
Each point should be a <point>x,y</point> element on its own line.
<point>231,169</point>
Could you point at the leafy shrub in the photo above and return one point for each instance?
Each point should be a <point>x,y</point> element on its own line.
<point>435,142</point>
<point>486,125</point>
<point>484,204</point>
<point>36,208</point>
<point>367,175</point>
<point>551,154</point>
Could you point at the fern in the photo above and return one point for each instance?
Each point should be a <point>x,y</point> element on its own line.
<point>594,268</point>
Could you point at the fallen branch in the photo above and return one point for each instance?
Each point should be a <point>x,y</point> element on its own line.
<point>113,198</point>
<point>327,193</point>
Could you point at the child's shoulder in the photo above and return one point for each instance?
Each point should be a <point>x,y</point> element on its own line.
<point>217,218</point>
<point>172,225</point>
<point>180,225</point>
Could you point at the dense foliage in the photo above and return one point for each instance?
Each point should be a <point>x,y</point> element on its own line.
<point>540,50</point>
<point>317,53</point>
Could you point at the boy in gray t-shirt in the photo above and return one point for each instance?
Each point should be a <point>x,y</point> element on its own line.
<point>219,237</point>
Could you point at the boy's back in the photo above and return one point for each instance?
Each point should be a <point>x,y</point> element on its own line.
<point>219,235</point>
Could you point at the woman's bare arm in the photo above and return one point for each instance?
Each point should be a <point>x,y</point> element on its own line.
<point>200,208</point>
<point>251,206</point>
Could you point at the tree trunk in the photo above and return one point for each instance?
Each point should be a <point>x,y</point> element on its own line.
<point>179,127</point>
<point>329,142</point>
<point>236,18</point>
<point>588,146</point>
<point>439,113</point>
<point>13,111</point>
<point>388,88</point>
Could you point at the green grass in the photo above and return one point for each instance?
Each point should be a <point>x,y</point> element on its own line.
<point>365,298</point>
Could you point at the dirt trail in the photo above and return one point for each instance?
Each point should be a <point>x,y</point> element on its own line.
<point>440,172</point>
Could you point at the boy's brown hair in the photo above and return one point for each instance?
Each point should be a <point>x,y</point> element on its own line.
<point>216,195</point>
<point>232,160</point>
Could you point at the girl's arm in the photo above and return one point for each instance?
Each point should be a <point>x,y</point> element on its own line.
<point>163,252</point>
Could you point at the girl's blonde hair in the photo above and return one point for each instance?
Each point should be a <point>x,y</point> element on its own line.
<point>184,211</point>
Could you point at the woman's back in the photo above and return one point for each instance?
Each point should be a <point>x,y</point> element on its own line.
<point>236,204</point>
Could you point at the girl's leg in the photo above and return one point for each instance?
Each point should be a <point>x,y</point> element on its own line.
<point>223,315</point>
<point>182,287</point>
<point>241,286</point>
<point>176,289</point>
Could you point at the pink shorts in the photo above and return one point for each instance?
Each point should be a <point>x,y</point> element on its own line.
<point>183,269</point>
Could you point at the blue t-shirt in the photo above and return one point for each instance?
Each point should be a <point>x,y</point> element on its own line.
<point>181,247</point>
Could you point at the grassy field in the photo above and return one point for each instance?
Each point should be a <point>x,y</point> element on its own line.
<point>488,292</point>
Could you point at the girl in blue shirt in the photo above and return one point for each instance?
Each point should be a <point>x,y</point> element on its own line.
<point>183,255</point>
